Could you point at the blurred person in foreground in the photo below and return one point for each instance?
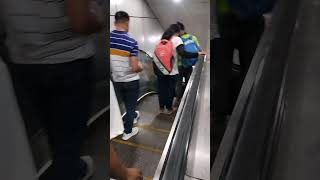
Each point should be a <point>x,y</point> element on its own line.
<point>240,26</point>
<point>51,54</point>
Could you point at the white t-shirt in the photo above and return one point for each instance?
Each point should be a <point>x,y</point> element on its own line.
<point>39,32</point>
<point>176,41</point>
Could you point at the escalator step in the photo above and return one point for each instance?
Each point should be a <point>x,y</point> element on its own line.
<point>162,121</point>
<point>147,161</point>
<point>148,138</point>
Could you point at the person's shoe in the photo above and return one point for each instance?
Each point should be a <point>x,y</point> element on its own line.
<point>134,132</point>
<point>172,110</point>
<point>177,102</point>
<point>89,167</point>
<point>135,120</point>
<point>162,111</point>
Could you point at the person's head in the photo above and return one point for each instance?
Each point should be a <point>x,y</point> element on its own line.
<point>122,21</point>
<point>181,27</point>
<point>175,28</point>
<point>171,31</point>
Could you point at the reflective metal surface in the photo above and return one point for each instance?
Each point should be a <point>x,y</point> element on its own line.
<point>198,163</point>
<point>194,14</point>
<point>297,153</point>
<point>144,25</point>
<point>172,164</point>
<point>148,80</point>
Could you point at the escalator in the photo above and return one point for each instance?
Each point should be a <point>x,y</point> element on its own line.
<point>296,154</point>
<point>152,145</point>
<point>273,133</point>
<point>144,150</point>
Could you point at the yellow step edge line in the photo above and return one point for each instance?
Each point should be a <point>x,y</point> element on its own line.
<point>151,128</point>
<point>147,178</point>
<point>141,146</point>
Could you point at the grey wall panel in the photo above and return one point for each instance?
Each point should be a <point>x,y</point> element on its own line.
<point>152,33</point>
<point>147,12</point>
<point>136,31</point>
<point>133,7</point>
<point>112,7</point>
<point>144,27</point>
<point>15,154</point>
<point>112,23</point>
<point>195,14</point>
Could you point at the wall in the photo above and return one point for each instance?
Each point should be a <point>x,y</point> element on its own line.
<point>144,26</point>
<point>194,14</point>
<point>15,154</point>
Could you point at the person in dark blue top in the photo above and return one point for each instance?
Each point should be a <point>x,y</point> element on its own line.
<point>240,26</point>
<point>251,8</point>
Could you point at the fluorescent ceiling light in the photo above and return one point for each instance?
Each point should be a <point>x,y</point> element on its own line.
<point>177,1</point>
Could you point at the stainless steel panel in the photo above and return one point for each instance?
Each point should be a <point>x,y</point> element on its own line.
<point>198,165</point>
<point>136,31</point>
<point>195,14</point>
<point>297,155</point>
<point>132,7</point>
<point>152,34</point>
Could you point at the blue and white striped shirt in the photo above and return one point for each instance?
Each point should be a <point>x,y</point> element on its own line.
<point>122,47</point>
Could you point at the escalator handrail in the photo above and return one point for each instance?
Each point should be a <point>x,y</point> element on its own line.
<point>172,164</point>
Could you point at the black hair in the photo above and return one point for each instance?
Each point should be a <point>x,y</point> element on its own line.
<point>181,26</point>
<point>173,28</point>
<point>167,34</point>
<point>121,16</point>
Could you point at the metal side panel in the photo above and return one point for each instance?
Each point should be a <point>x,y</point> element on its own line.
<point>198,165</point>
<point>298,154</point>
<point>15,154</point>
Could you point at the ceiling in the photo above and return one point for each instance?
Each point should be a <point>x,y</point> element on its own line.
<point>194,14</point>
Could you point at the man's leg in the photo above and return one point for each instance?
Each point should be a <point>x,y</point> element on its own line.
<point>131,97</point>
<point>161,92</point>
<point>222,69</point>
<point>187,74</point>
<point>249,38</point>
<point>171,89</point>
<point>31,97</point>
<point>69,111</point>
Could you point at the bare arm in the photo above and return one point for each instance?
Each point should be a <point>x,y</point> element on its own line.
<point>119,171</point>
<point>116,169</point>
<point>83,20</point>
<point>134,63</point>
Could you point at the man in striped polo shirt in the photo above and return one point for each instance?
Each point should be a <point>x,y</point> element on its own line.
<point>125,68</point>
